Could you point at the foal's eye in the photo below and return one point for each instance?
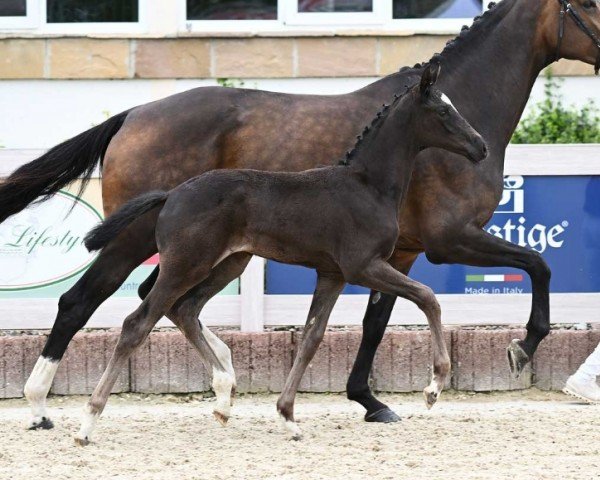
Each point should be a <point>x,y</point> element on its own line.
<point>444,112</point>
<point>589,4</point>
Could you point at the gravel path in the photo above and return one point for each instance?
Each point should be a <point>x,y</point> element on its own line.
<point>528,435</point>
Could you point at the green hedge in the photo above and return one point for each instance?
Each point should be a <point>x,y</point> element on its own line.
<point>552,122</point>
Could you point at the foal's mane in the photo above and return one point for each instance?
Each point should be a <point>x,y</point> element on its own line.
<point>374,125</point>
<point>482,24</point>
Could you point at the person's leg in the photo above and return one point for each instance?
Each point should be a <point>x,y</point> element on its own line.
<point>583,383</point>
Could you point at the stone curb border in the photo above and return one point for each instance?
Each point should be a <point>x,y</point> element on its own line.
<point>167,364</point>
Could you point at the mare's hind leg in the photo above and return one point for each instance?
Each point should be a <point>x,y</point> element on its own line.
<point>75,307</point>
<point>479,248</point>
<point>215,355</point>
<point>381,276</point>
<point>326,294</point>
<point>168,289</point>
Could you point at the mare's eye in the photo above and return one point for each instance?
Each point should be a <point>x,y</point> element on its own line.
<point>589,4</point>
<point>444,112</point>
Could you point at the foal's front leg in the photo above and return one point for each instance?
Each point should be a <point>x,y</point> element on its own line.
<point>326,294</point>
<point>381,276</point>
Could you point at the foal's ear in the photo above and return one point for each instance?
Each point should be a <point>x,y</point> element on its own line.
<point>429,77</point>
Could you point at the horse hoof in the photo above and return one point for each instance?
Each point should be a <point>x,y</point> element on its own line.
<point>385,415</point>
<point>517,358</point>
<point>232,396</point>
<point>82,442</point>
<point>221,418</point>
<point>43,424</point>
<point>430,398</point>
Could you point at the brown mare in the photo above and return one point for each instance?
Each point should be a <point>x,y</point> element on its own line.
<point>491,69</point>
<point>340,220</point>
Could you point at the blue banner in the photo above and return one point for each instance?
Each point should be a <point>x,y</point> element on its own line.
<point>554,215</point>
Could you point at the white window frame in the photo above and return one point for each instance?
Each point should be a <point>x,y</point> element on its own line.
<point>377,17</point>
<point>289,20</point>
<point>428,25</point>
<point>186,25</point>
<point>29,20</point>
<point>37,22</point>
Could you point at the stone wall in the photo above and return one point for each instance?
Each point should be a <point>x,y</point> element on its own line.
<point>167,364</point>
<point>276,57</point>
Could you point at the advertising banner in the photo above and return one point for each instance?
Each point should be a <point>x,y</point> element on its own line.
<point>558,216</point>
<point>42,253</point>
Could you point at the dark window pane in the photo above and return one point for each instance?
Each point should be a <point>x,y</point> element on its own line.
<point>307,6</point>
<point>437,8</point>
<point>81,11</point>
<point>13,8</point>
<point>232,9</point>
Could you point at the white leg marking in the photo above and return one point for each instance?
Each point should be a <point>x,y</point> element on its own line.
<point>221,351</point>
<point>88,423</point>
<point>37,388</point>
<point>291,428</point>
<point>222,385</point>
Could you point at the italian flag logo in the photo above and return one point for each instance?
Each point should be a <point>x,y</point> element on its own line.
<point>494,278</point>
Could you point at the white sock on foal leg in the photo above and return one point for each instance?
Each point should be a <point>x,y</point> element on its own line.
<point>223,382</point>
<point>88,423</point>
<point>36,390</point>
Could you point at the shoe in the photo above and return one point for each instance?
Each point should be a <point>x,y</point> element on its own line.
<point>586,390</point>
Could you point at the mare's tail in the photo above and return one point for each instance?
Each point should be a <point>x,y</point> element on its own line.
<point>103,233</point>
<point>59,166</point>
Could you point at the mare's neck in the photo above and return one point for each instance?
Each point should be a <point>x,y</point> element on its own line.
<point>491,71</point>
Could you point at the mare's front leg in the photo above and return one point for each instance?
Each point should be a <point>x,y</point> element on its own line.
<point>381,276</point>
<point>326,294</point>
<point>75,307</point>
<point>374,323</point>
<point>474,246</point>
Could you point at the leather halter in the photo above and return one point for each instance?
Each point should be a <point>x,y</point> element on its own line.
<point>567,9</point>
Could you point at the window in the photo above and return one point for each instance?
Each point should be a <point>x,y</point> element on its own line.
<point>436,8</point>
<point>231,10</point>
<point>72,16</point>
<point>281,15</point>
<point>18,13</point>
<point>13,8</point>
<point>78,11</point>
<point>335,12</point>
<point>333,6</point>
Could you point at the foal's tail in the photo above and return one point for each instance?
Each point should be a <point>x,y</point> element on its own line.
<point>59,166</point>
<point>103,233</point>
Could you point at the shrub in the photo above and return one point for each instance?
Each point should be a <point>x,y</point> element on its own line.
<point>552,122</point>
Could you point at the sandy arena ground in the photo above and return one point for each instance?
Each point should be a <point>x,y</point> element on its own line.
<point>531,435</point>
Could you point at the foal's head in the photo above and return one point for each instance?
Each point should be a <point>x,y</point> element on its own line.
<point>439,124</point>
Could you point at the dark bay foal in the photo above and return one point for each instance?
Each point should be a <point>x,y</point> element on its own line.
<point>341,220</point>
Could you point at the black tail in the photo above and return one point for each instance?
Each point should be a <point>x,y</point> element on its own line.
<point>103,233</point>
<point>58,167</point>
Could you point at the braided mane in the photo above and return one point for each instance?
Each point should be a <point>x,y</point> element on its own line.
<point>480,23</point>
<point>374,125</point>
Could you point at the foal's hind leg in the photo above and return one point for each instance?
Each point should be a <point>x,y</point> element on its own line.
<point>215,355</point>
<point>136,328</point>
<point>326,294</point>
<point>381,276</point>
<point>75,307</point>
